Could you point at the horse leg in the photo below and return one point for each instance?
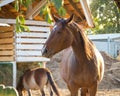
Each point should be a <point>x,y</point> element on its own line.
<point>73,89</point>
<point>84,92</point>
<point>49,89</point>
<point>93,90</point>
<point>29,92</point>
<point>51,92</point>
<point>42,92</point>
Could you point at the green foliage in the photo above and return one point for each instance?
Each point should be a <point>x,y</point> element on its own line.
<point>20,24</point>
<point>7,91</point>
<point>40,64</point>
<point>106,16</point>
<point>61,11</point>
<point>19,3</point>
<point>57,3</point>
<point>20,21</point>
<point>45,12</point>
<point>6,73</point>
<point>59,7</point>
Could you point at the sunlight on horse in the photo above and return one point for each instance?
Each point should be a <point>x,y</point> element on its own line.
<point>36,79</point>
<point>82,65</point>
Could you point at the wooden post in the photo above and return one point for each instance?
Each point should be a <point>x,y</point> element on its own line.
<point>14,74</point>
<point>14,63</point>
<point>44,64</point>
<point>87,12</point>
<point>108,45</point>
<point>35,10</point>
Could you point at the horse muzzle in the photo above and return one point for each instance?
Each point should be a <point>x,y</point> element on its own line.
<point>46,53</point>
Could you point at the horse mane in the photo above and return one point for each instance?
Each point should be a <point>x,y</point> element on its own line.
<point>87,44</point>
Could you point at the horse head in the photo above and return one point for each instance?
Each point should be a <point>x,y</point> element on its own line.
<point>60,37</point>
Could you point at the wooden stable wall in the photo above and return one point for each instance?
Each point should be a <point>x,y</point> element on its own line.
<point>29,44</point>
<point>24,46</point>
<point>6,43</point>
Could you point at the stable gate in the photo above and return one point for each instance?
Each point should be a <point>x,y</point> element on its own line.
<point>24,46</point>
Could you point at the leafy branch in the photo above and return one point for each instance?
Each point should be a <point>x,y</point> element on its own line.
<point>44,12</point>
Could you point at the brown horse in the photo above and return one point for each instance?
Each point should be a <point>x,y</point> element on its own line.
<point>82,65</point>
<point>36,79</point>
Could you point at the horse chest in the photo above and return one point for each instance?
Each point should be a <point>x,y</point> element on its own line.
<point>78,75</point>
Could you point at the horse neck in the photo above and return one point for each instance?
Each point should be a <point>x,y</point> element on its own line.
<point>81,45</point>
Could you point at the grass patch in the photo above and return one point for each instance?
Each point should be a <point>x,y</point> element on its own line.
<point>6,73</point>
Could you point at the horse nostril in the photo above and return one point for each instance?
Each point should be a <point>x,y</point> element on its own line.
<point>44,50</point>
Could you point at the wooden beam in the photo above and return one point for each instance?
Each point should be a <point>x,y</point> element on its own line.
<point>71,12</point>
<point>29,10</point>
<point>6,47</point>
<point>87,12</point>
<point>3,24</point>
<point>7,40</point>
<point>5,2</point>
<point>6,34</point>
<point>76,9</point>
<point>7,58</point>
<point>6,28</point>
<point>27,22</point>
<point>35,10</point>
<point>4,52</point>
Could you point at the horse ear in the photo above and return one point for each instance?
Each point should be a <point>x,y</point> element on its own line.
<point>70,18</point>
<point>55,18</point>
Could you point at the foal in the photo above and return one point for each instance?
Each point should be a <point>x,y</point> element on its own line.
<point>36,79</point>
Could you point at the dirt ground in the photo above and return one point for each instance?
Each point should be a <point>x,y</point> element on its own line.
<point>110,85</point>
<point>65,92</point>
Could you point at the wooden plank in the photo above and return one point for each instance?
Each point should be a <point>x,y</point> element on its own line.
<point>35,28</point>
<point>28,53</point>
<point>29,40</point>
<point>9,58</point>
<point>76,9</point>
<point>4,28</point>
<point>6,40</point>
<point>31,59</point>
<point>8,46</point>
<point>27,22</point>
<point>7,52</point>
<point>87,13</point>
<point>6,34</point>
<point>5,2</point>
<point>32,34</point>
<point>29,46</point>
<point>35,11</point>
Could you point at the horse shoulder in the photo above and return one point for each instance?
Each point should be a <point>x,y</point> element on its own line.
<point>65,63</point>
